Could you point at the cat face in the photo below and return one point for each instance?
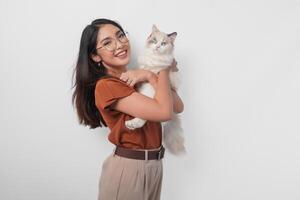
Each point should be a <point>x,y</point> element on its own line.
<point>160,42</point>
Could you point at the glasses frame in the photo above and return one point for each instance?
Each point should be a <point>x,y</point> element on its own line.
<point>115,42</point>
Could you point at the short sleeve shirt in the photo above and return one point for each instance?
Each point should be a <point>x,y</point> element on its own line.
<point>109,90</point>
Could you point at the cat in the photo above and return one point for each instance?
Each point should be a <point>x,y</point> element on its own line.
<point>158,55</point>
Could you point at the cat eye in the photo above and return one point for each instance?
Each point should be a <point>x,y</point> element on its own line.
<point>154,40</point>
<point>110,44</point>
<point>163,43</point>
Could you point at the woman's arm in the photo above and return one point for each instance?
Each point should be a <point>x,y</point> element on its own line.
<point>178,105</point>
<point>159,108</point>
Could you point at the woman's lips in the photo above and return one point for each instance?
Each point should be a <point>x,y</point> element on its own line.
<point>122,54</point>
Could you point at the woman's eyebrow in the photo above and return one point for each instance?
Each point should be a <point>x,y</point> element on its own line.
<point>109,36</point>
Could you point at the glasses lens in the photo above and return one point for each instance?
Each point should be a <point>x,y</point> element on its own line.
<point>111,45</point>
<point>123,37</point>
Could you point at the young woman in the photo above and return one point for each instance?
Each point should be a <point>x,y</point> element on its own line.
<point>105,95</point>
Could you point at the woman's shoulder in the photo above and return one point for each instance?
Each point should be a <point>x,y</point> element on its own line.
<point>110,81</point>
<point>108,90</point>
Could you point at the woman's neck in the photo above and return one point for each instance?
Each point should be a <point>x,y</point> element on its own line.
<point>115,72</point>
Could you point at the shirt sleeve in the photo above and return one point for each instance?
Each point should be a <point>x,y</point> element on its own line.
<point>109,90</point>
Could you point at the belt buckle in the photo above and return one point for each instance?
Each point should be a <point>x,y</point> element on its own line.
<point>146,155</point>
<point>159,153</point>
<point>114,150</point>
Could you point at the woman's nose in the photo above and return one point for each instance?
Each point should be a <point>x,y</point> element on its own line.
<point>118,42</point>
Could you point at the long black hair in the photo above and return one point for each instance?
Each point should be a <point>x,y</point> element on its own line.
<point>86,73</point>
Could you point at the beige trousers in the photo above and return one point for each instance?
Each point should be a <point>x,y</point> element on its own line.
<point>130,179</point>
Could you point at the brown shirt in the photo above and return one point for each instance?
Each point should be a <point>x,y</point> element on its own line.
<point>109,90</point>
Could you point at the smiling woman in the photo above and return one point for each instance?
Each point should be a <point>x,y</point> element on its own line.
<point>104,54</point>
<point>114,49</point>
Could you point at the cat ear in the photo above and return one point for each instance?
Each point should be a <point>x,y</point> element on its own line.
<point>154,28</point>
<point>172,36</point>
<point>149,36</point>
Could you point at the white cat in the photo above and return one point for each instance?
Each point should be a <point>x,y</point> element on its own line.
<point>157,56</point>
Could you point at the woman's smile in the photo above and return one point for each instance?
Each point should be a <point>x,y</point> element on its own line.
<point>122,54</point>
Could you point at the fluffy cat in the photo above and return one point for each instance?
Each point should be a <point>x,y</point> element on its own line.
<point>158,55</point>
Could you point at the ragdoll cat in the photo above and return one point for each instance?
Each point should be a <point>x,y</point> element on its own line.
<point>157,56</point>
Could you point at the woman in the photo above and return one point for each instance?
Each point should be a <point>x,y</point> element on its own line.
<point>105,95</point>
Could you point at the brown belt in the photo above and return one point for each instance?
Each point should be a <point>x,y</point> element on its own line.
<point>140,154</point>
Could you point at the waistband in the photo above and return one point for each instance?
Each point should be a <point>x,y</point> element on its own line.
<point>140,154</point>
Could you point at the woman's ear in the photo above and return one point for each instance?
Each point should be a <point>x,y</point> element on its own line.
<point>96,58</point>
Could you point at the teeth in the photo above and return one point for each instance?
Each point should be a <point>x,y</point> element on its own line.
<point>122,53</point>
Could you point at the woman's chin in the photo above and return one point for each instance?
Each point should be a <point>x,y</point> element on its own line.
<point>122,61</point>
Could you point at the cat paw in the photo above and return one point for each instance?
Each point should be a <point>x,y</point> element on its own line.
<point>130,125</point>
<point>134,123</point>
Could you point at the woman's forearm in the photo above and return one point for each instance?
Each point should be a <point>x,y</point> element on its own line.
<point>177,102</point>
<point>163,93</point>
<point>178,105</point>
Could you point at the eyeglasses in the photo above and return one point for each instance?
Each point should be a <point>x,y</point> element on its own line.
<point>110,44</point>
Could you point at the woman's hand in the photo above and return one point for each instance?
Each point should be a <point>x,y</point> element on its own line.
<point>131,77</point>
<point>173,66</point>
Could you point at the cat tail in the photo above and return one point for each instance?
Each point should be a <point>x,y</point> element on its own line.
<point>173,136</point>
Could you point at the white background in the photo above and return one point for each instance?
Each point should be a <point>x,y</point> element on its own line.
<point>239,62</point>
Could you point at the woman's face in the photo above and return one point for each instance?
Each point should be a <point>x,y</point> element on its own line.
<point>112,47</point>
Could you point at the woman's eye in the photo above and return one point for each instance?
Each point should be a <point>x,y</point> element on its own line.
<point>106,43</point>
<point>121,35</point>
